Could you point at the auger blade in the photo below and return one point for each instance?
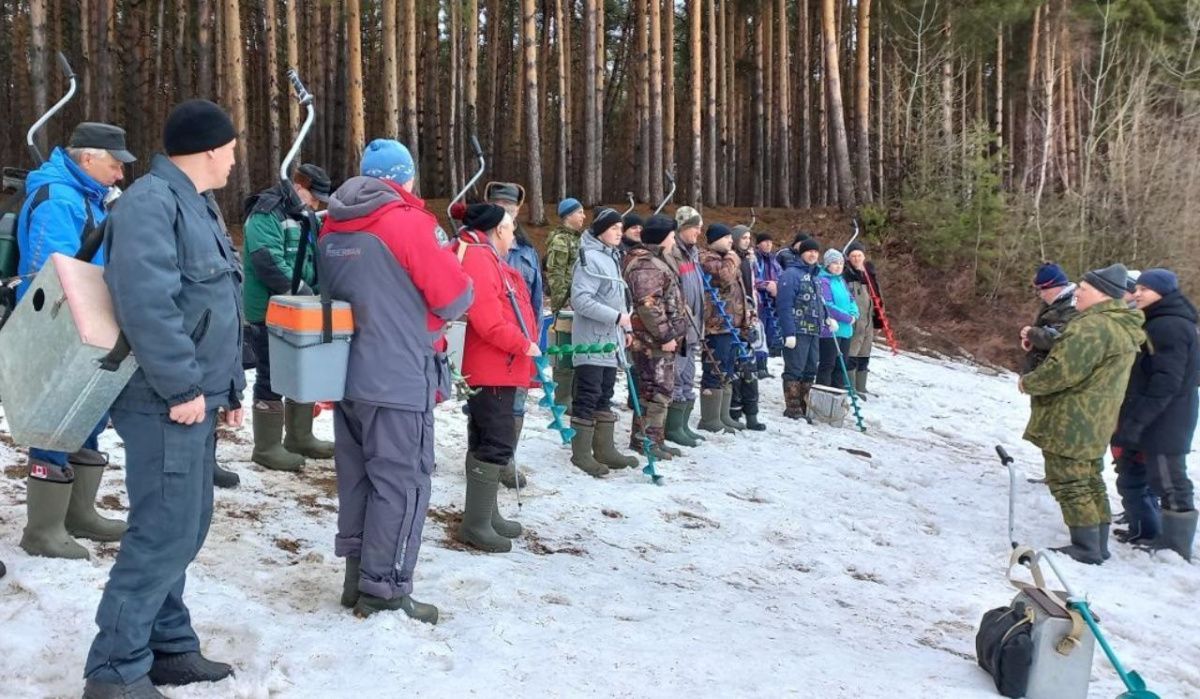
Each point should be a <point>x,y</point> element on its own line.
<point>558,411</point>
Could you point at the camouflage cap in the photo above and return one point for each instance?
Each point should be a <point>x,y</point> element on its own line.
<point>687,217</point>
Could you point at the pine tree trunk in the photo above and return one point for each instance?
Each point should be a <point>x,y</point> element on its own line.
<point>471,97</point>
<point>770,102</point>
<point>38,67</point>
<point>292,38</point>
<point>589,102</point>
<point>656,102</point>
<point>863,110</point>
<point>356,138</point>
<point>837,119</point>
<point>273,91</point>
<point>1030,95</point>
<point>947,91</point>
<point>696,78</point>
<point>391,72</point>
<point>453,124</point>
<point>668,67</point>
<point>644,111</point>
<point>205,19</point>
<point>533,141</point>
<point>564,100</point>
<point>806,136</point>
<point>999,113</point>
<point>600,68</point>
<point>493,44</point>
<point>725,106</point>
<point>714,69</point>
<point>758,128</point>
<point>185,83</point>
<point>410,84</point>
<point>235,76</point>
<point>784,180</point>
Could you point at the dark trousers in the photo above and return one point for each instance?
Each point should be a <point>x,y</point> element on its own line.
<point>491,425</point>
<point>1161,475</point>
<point>594,386</point>
<point>722,348</point>
<point>800,362</point>
<point>258,337</point>
<point>858,364</point>
<point>169,475</point>
<point>829,372</point>
<point>745,390</point>
<point>384,461</point>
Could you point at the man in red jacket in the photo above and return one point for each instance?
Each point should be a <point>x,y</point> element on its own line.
<point>496,362</point>
<point>380,252</point>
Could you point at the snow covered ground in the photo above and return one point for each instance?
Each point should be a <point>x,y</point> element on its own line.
<point>770,564</point>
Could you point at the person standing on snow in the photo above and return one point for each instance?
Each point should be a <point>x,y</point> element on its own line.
<point>496,362</point>
<point>841,314</point>
<point>562,251</point>
<point>685,259</point>
<point>380,253</point>
<point>598,296</point>
<point>65,200</point>
<point>659,326</point>
<point>724,270</point>
<point>745,380</point>
<point>1077,394</point>
<point>767,273</point>
<point>272,233</point>
<point>1158,420</point>
<point>864,287</point>
<point>1058,308</point>
<point>176,287</point>
<point>801,317</point>
<point>523,257</point>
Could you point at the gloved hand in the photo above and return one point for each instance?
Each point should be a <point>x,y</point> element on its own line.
<point>831,324</point>
<point>790,342</point>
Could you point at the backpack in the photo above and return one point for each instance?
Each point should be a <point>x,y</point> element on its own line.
<point>1004,647</point>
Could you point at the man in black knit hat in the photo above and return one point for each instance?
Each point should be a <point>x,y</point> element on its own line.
<point>176,285</point>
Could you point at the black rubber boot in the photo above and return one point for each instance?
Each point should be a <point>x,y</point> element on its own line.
<point>141,688</point>
<point>350,583</point>
<point>187,668</point>
<point>476,530</point>
<point>224,478</point>
<point>369,604</point>
<point>1086,544</point>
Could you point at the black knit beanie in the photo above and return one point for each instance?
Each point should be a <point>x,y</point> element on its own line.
<point>604,219</point>
<point>657,229</point>
<point>763,237</point>
<point>196,126</point>
<point>483,217</point>
<point>715,232</point>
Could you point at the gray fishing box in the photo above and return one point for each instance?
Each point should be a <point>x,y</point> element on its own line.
<point>304,367</point>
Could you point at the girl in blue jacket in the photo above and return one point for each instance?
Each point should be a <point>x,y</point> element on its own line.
<point>839,325</point>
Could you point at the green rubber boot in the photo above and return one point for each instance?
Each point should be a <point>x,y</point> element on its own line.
<point>581,448</point>
<point>726,418</point>
<point>710,411</point>
<point>350,583</point>
<point>676,421</point>
<point>82,520</point>
<point>300,440</point>
<point>45,533</point>
<point>604,448</point>
<point>564,391</point>
<point>268,433</point>
<point>860,383</point>
<point>690,407</point>
<point>369,604</point>
<point>512,475</point>
<point>483,479</point>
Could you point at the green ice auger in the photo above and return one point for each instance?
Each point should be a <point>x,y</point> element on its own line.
<point>647,451</point>
<point>596,348</point>
<point>546,376</point>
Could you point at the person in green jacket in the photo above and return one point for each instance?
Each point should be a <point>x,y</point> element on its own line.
<point>1076,395</point>
<point>562,250</point>
<point>272,238</point>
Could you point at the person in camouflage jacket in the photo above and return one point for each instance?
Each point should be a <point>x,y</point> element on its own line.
<point>724,270</point>
<point>562,251</point>
<point>1058,308</point>
<point>659,327</point>
<point>1076,399</point>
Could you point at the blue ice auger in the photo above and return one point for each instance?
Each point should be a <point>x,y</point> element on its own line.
<point>647,446</point>
<point>743,350</point>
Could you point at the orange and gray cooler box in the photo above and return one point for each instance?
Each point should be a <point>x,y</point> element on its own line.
<point>309,340</point>
<point>63,360</point>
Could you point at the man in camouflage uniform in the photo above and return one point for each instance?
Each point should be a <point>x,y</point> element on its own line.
<point>659,326</point>
<point>1077,393</point>
<point>685,261</point>
<point>724,270</point>
<point>562,250</point>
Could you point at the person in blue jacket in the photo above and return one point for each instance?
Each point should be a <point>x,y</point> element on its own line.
<point>65,200</point>
<point>801,317</point>
<point>842,311</point>
<point>523,257</point>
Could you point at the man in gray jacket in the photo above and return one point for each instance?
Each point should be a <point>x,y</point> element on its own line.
<point>176,284</point>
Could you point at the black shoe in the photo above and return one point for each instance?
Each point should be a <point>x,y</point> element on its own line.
<point>369,604</point>
<point>141,688</point>
<point>223,478</point>
<point>187,668</point>
<point>752,423</point>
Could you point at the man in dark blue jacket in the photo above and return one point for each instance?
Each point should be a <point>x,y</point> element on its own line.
<point>65,200</point>
<point>176,287</point>
<point>1158,420</point>
<point>801,315</point>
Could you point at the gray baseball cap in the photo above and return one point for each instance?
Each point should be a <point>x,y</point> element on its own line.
<point>91,134</point>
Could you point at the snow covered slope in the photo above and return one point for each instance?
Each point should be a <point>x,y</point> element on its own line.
<point>770,564</point>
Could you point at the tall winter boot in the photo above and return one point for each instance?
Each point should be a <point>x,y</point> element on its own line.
<point>791,400</point>
<point>476,530</point>
<point>1178,533</point>
<point>637,430</point>
<point>676,419</point>
<point>512,474</point>
<point>268,435</point>
<point>735,401</point>
<point>711,400</point>
<point>805,390</point>
<point>726,402</point>
<point>1086,545</point>
<point>581,448</point>
<point>850,378</point>
<point>82,520</point>
<point>300,439</point>
<point>689,408</point>
<point>656,422</point>
<point>860,382</point>
<point>1143,515</point>
<point>46,503</point>
<point>350,582</point>
<point>564,392</point>
<point>604,449</point>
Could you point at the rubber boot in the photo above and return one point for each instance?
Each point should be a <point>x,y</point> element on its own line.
<point>224,478</point>
<point>564,392</point>
<point>419,611</point>
<point>687,419</point>
<point>186,668</point>
<point>507,528</point>
<point>141,688</point>
<point>268,433</point>
<point>581,448</point>
<point>658,444</point>
<point>675,430</point>
<point>752,422</point>
<point>710,411</point>
<point>860,382</point>
<point>512,475</point>
<point>637,430</point>
<point>604,449</point>
<point>45,532</point>
<point>350,582</point>
<point>726,402</point>
<point>1178,533</point>
<point>476,529</point>
<point>1143,516</point>
<point>300,440</point>
<point>850,378</point>
<point>1085,544</point>
<point>82,520</point>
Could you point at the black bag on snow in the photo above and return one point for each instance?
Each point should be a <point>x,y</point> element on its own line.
<point>1004,648</point>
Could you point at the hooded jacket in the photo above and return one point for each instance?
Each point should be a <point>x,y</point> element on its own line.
<point>798,303</point>
<point>380,252</point>
<point>494,349</point>
<point>1077,392</point>
<point>725,277</point>
<point>1052,319</point>
<point>271,239</point>
<point>57,223</point>
<point>1160,409</point>
<point>838,304</point>
<point>598,298</point>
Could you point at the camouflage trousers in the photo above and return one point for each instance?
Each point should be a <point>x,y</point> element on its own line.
<point>1078,486</point>
<point>655,377</point>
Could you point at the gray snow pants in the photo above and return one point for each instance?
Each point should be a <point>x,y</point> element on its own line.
<point>384,460</point>
<point>685,375</point>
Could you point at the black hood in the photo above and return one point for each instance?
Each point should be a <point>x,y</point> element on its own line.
<point>1173,304</point>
